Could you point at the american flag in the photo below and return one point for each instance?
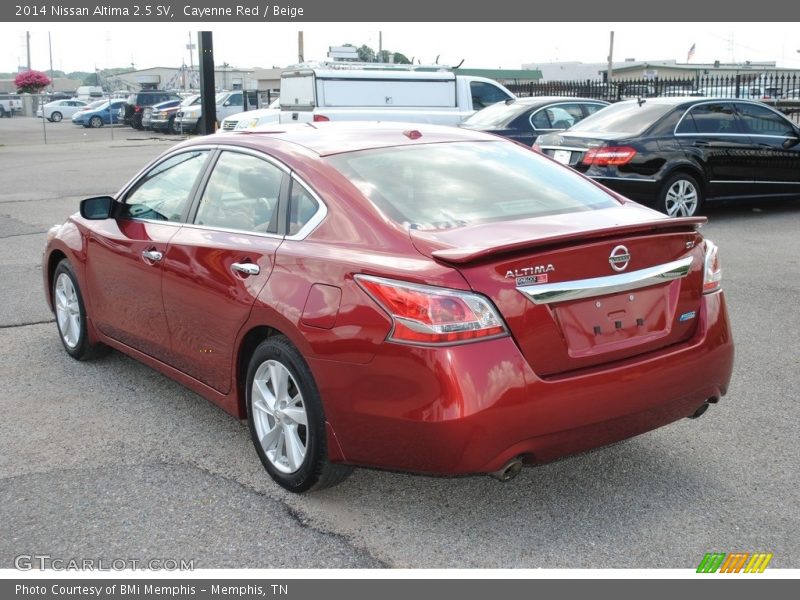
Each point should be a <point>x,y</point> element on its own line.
<point>690,54</point>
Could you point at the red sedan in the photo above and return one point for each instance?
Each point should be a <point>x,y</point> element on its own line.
<point>401,296</point>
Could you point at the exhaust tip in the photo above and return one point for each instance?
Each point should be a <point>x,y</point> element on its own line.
<point>511,469</point>
<point>700,411</point>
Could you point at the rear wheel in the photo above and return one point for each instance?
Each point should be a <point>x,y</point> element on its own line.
<point>286,419</point>
<point>71,315</point>
<point>56,116</point>
<point>2,112</point>
<point>680,196</point>
<point>95,122</point>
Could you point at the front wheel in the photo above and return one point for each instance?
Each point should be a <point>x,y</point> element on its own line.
<point>56,117</point>
<point>95,122</point>
<point>680,196</point>
<point>286,419</point>
<point>71,314</point>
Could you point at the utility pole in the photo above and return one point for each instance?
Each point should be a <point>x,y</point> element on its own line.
<point>300,51</point>
<point>190,47</point>
<point>610,58</point>
<point>380,47</point>
<point>28,43</point>
<point>50,48</point>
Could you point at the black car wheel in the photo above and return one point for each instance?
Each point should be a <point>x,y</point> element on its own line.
<point>56,116</point>
<point>286,419</point>
<point>680,196</point>
<point>136,122</point>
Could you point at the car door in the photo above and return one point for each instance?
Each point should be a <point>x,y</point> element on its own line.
<point>125,254</point>
<point>217,264</point>
<point>712,133</point>
<point>777,156</point>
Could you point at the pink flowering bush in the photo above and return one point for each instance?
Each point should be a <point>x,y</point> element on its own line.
<point>31,82</point>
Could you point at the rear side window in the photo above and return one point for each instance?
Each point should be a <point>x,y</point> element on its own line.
<point>561,116</point>
<point>441,186</point>
<point>759,120</point>
<point>712,118</point>
<point>302,207</point>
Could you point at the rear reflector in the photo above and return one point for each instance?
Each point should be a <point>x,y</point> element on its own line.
<point>712,269</point>
<point>609,156</point>
<point>428,315</point>
<point>320,118</point>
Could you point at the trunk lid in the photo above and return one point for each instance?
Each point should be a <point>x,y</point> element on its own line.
<point>554,281</point>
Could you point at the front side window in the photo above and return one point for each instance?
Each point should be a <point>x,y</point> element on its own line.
<point>242,194</point>
<point>162,194</point>
<point>759,120</point>
<point>443,186</point>
<point>485,94</point>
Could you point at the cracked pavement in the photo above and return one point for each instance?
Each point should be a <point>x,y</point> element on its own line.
<point>109,459</point>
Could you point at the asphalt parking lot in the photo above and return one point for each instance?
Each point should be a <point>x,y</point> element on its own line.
<point>110,460</point>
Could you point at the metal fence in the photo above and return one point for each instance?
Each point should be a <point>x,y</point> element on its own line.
<point>779,90</point>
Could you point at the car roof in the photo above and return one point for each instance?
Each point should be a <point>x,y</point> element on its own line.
<point>327,138</point>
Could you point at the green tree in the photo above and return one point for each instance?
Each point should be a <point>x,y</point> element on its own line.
<point>366,54</point>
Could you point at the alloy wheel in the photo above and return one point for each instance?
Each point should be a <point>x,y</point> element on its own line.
<point>68,311</point>
<point>279,416</point>
<point>681,199</point>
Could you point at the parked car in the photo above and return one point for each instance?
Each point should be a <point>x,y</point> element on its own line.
<point>10,104</point>
<point>252,118</point>
<point>227,103</point>
<point>163,116</point>
<point>106,113</point>
<point>525,119</point>
<point>136,103</point>
<point>677,153</point>
<point>159,117</point>
<point>411,297</point>
<point>636,90</point>
<point>58,109</point>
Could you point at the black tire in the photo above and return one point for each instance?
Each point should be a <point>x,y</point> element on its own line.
<point>2,112</point>
<point>77,345</point>
<point>315,472</point>
<point>174,127</point>
<point>56,117</point>
<point>170,125</point>
<point>95,122</point>
<point>136,123</point>
<point>680,196</point>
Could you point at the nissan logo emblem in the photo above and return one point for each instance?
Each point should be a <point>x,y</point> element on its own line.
<point>619,258</point>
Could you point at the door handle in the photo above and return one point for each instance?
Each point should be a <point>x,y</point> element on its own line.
<point>246,268</point>
<point>153,255</point>
<point>702,143</point>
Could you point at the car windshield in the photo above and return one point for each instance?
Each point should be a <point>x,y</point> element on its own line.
<point>627,118</point>
<point>442,186</point>
<point>494,115</point>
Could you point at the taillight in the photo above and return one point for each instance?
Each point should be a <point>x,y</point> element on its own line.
<point>318,118</point>
<point>609,156</point>
<point>137,108</point>
<point>536,147</point>
<point>712,269</point>
<point>425,315</point>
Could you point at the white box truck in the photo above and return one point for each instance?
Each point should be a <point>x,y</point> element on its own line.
<point>390,93</point>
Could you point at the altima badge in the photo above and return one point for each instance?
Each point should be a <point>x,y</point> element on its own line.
<point>619,259</point>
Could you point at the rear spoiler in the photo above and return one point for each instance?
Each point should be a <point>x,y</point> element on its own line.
<point>476,252</point>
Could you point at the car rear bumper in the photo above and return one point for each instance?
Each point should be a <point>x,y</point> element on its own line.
<point>472,408</point>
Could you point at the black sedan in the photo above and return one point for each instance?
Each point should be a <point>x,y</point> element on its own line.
<point>525,119</point>
<point>676,153</point>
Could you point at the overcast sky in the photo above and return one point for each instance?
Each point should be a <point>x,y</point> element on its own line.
<point>505,45</point>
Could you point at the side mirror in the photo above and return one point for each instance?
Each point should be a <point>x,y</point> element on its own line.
<point>227,103</point>
<point>791,142</point>
<point>97,209</point>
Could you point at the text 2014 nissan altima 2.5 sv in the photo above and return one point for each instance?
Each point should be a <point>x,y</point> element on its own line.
<point>408,297</point>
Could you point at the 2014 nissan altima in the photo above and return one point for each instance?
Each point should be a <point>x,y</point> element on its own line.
<point>408,297</point>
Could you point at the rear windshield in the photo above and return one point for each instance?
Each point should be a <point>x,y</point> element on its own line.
<point>625,117</point>
<point>495,114</point>
<point>442,186</point>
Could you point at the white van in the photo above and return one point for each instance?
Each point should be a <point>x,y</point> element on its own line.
<point>384,93</point>
<point>89,93</point>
